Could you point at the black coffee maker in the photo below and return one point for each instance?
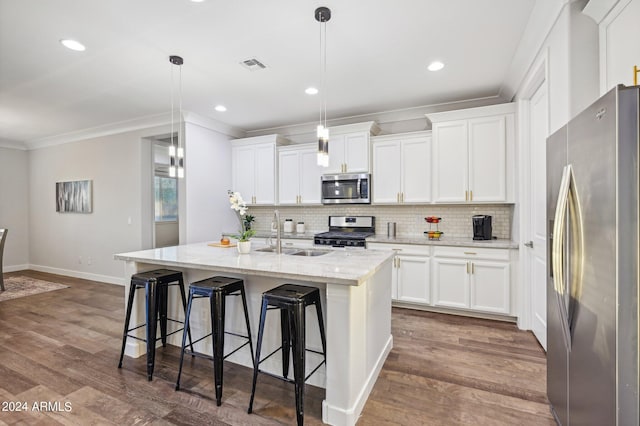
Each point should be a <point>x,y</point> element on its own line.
<point>481,227</point>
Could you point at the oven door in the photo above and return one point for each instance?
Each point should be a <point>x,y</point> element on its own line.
<point>345,188</point>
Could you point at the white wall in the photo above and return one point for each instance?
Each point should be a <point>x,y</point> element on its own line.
<point>14,207</point>
<point>83,245</point>
<point>204,205</point>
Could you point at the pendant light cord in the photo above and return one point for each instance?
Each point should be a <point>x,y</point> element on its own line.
<point>172,105</point>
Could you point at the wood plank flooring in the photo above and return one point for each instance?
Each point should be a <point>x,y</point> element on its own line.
<point>63,347</point>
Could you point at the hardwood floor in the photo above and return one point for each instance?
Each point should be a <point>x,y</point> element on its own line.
<point>63,347</point>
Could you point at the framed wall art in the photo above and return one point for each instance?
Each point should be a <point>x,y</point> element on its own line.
<point>74,196</point>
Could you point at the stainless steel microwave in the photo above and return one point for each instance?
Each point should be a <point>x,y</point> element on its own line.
<point>346,188</point>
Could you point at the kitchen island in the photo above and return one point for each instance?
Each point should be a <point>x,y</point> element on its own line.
<point>355,286</point>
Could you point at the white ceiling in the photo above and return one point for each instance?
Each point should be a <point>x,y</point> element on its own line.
<point>377,54</point>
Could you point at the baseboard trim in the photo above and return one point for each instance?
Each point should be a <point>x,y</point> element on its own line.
<point>78,274</point>
<point>14,268</point>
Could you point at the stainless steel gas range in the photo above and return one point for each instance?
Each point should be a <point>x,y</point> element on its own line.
<point>347,231</point>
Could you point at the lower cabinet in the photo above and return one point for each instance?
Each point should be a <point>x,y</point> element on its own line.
<point>476,279</point>
<point>459,278</point>
<point>411,271</point>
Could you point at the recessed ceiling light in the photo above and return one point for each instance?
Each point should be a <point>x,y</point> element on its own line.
<point>435,66</point>
<point>220,108</point>
<point>73,45</point>
<point>311,91</point>
<point>197,1</point>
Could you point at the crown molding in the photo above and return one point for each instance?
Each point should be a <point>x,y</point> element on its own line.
<point>100,131</point>
<point>6,143</point>
<point>543,18</point>
<point>211,124</point>
<point>598,10</point>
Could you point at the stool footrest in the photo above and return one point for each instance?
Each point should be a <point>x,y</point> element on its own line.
<point>286,379</point>
<point>210,357</point>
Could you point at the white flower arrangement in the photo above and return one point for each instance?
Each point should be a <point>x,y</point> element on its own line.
<point>240,207</point>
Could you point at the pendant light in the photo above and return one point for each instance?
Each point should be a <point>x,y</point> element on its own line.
<point>323,14</point>
<point>176,152</point>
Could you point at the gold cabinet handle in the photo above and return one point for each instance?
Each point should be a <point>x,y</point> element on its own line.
<point>470,252</point>
<point>473,268</point>
<point>398,196</point>
<point>467,267</point>
<point>402,196</point>
<point>470,195</point>
<point>398,261</point>
<point>466,195</point>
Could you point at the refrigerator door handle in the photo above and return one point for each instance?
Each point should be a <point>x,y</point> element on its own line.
<point>557,252</point>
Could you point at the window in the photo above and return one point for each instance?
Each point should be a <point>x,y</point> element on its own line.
<point>166,199</point>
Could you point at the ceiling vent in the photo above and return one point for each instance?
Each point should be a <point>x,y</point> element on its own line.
<point>252,64</point>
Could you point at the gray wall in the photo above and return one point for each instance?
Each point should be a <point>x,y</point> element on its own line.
<point>83,244</point>
<point>14,207</point>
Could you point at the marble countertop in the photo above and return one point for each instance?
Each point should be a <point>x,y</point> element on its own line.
<point>416,239</point>
<point>339,266</point>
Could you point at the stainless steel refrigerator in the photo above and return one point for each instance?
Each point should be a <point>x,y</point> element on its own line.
<point>592,280</point>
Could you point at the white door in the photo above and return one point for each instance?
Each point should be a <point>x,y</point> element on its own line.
<point>413,279</point>
<point>265,174</point>
<point>386,172</point>
<point>288,173</point>
<point>537,255</point>
<point>416,170</point>
<point>356,152</point>
<point>336,154</point>
<point>450,282</point>
<point>450,177</point>
<point>309,173</point>
<point>243,171</point>
<point>490,287</point>
<point>488,159</point>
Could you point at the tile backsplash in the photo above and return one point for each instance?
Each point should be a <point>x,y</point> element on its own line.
<point>456,219</point>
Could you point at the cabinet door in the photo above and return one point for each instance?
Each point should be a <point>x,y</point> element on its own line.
<point>336,154</point>
<point>288,172</point>
<point>490,287</point>
<point>450,283</point>
<point>487,159</point>
<point>413,279</point>
<point>450,152</point>
<point>416,170</point>
<point>386,172</point>
<point>356,154</point>
<point>243,171</point>
<point>265,174</point>
<point>309,175</point>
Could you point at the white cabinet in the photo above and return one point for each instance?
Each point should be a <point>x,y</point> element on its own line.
<point>402,168</point>
<point>411,271</point>
<point>471,278</point>
<point>349,147</point>
<point>253,168</point>
<point>298,175</point>
<point>474,154</point>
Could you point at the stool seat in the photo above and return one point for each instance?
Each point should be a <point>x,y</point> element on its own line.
<point>156,284</point>
<point>215,289</point>
<point>162,276</point>
<point>291,293</point>
<point>217,284</point>
<point>291,299</point>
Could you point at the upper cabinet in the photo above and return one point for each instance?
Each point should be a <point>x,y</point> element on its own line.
<point>349,148</point>
<point>474,154</point>
<point>253,168</point>
<point>299,175</point>
<point>402,168</point>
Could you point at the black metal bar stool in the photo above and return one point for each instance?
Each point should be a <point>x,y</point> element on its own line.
<point>156,285</point>
<point>216,289</point>
<point>292,300</point>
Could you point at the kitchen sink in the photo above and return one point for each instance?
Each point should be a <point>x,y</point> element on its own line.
<point>310,252</point>
<point>273,250</point>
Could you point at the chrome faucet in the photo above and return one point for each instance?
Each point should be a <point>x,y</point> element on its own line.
<point>276,218</point>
